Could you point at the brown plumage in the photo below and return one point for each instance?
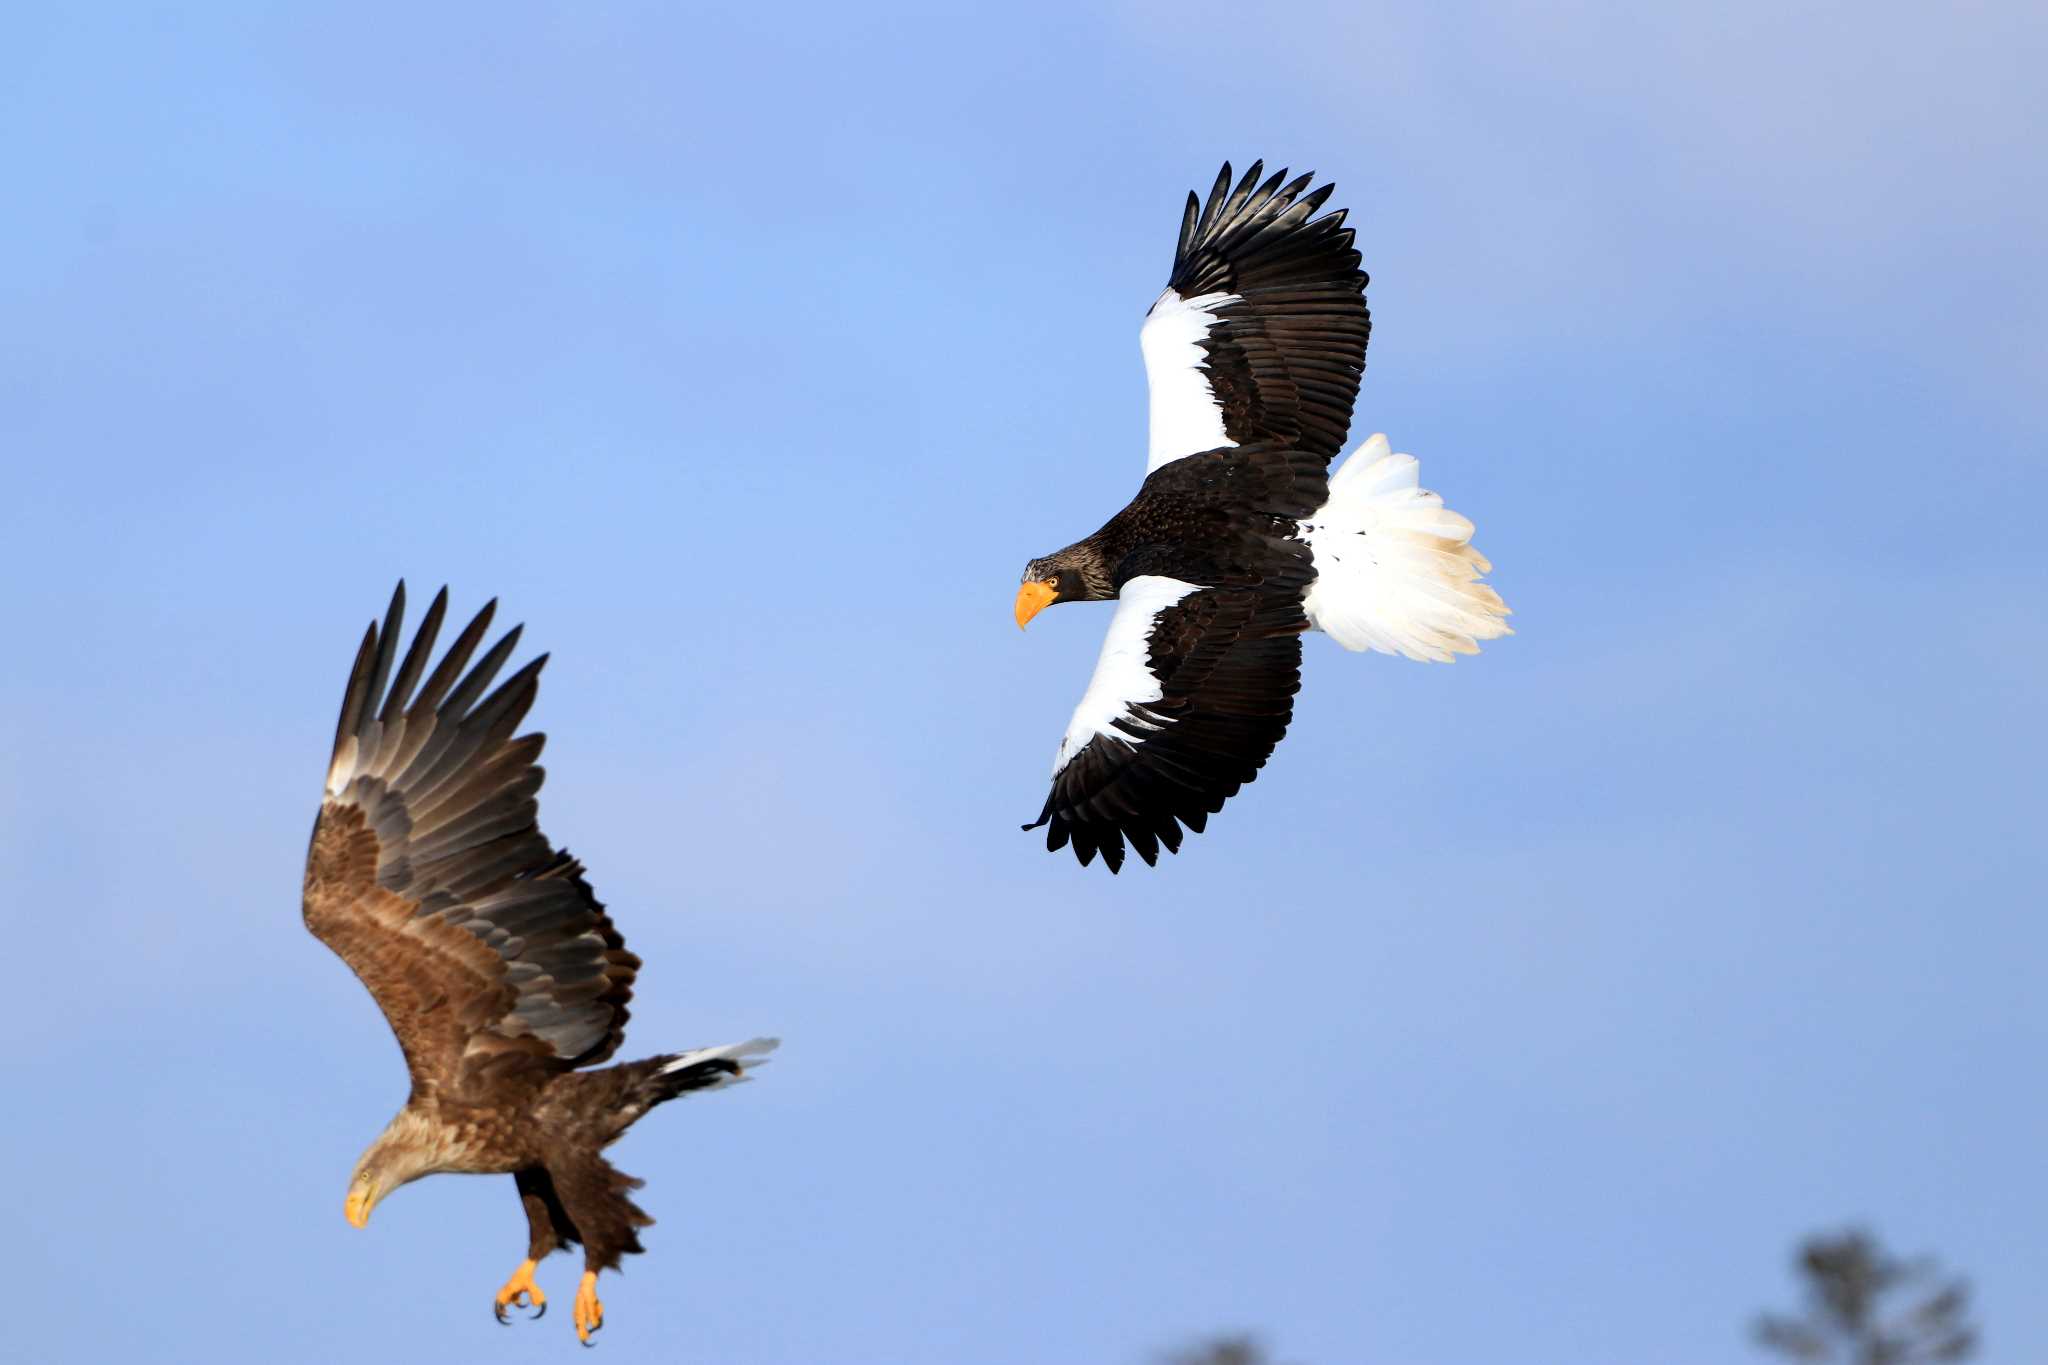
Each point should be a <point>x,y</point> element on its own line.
<point>495,965</point>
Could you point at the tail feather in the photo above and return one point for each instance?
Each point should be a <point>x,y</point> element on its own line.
<point>710,1068</point>
<point>1395,568</point>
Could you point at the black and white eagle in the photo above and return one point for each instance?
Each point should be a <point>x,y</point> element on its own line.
<point>1240,538</point>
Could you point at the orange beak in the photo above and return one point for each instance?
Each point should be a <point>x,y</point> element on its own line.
<point>357,1211</point>
<point>1033,598</point>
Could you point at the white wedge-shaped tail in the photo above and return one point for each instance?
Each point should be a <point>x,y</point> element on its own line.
<point>746,1057</point>
<point>1395,568</point>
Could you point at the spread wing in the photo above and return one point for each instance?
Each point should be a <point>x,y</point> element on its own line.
<point>1261,333</point>
<point>428,875</point>
<point>1193,689</point>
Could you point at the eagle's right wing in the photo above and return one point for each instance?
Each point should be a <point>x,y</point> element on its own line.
<point>1261,333</point>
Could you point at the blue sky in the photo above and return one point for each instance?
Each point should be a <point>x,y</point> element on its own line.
<point>1525,1010</point>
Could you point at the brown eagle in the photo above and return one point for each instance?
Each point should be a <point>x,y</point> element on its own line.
<point>494,963</point>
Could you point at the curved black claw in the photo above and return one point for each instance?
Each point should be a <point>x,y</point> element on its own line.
<point>540,1310</point>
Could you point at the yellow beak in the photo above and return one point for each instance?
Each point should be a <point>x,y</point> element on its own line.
<point>357,1210</point>
<point>1033,598</point>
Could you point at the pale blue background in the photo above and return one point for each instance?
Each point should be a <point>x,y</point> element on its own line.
<point>1524,1011</point>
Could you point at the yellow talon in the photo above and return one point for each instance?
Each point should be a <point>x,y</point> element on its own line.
<point>521,1286</point>
<point>589,1312</point>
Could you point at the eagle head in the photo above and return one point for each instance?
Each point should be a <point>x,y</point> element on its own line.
<point>1072,575</point>
<point>402,1153</point>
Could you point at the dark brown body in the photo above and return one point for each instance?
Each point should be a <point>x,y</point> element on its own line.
<point>554,1150</point>
<point>499,971</point>
<point>1225,518</point>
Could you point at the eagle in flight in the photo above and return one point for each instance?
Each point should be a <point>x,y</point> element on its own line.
<point>1240,538</point>
<point>492,960</point>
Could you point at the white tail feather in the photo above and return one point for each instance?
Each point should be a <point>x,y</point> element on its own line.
<point>747,1056</point>
<point>1395,568</point>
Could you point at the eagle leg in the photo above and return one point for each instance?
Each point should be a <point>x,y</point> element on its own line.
<point>589,1312</point>
<point>521,1287</point>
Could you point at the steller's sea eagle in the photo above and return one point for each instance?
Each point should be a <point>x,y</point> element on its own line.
<point>492,960</point>
<point>1240,538</point>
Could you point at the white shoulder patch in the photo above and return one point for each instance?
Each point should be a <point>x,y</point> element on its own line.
<point>1185,414</point>
<point>1123,673</point>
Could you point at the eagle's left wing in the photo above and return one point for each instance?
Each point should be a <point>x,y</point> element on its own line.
<point>1193,689</point>
<point>428,873</point>
<point>1261,333</point>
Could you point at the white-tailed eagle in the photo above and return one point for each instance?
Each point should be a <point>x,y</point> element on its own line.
<point>503,977</point>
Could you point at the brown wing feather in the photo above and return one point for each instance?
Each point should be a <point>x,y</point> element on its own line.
<point>428,874</point>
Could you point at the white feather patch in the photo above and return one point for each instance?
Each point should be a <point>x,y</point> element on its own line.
<point>342,770</point>
<point>1395,568</point>
<point>1185,414</point>
<point>1123,673</point>
<point>748,1055</point>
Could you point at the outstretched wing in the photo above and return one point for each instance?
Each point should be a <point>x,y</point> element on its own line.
<point>1261,333</point>
<point>429,876</point>
<point>1193,689</point>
